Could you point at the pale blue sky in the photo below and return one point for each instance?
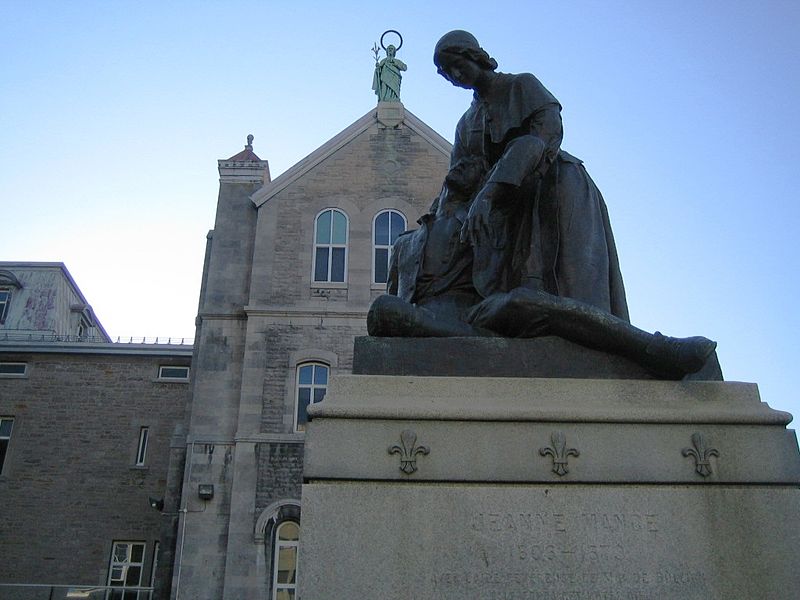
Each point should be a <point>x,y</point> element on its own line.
<point>113,114</point>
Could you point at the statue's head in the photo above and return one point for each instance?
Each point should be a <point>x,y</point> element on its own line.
<point>390,51</point>
<point>460,43</point>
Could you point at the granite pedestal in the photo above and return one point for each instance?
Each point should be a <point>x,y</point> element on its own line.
<point>498,488</point>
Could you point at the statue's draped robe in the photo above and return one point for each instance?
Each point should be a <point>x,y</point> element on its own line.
<point>387,78</point>
<point>552,232</point>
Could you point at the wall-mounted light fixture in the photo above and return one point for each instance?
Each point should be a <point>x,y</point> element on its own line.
<point>205,491</point>
<point>157,503</point>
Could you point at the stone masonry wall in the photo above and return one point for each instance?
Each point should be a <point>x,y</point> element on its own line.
<point>70,487</point>
<point>379,169</point>
<point>280,473</point>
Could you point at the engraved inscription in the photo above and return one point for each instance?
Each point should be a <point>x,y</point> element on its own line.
<point>530,522</point>
<point>564,555</point>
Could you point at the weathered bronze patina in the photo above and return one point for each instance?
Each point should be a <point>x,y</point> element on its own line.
<point>518,243</point>
<point>388,72</point>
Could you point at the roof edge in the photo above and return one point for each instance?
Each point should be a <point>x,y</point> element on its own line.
<point>304,165</point>
<point>340,140</point>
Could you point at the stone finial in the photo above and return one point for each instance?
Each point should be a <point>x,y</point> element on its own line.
<point>250,139</point>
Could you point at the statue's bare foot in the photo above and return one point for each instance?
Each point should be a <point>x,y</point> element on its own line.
<point>677,357</point>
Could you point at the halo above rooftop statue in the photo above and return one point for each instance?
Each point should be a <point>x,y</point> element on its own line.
<point>388,76</point>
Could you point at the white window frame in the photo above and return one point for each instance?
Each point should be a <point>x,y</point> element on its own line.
<point>153,566</point>
<point>24,366</point>
<point>299,427</point>
<point>279,544</point>
<point>125,565</point>
<point>330,246</point>
<point>141,448</point>
<point>388,248</point>
<point>161,377</point>
<point>7,440</point>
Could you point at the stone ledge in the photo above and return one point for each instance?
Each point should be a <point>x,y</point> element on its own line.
<point>545,400</point>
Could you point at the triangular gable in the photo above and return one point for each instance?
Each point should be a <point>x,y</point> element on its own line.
<point>339,141</point>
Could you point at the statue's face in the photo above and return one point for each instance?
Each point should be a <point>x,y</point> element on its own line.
<point>460,71</point>
<point>390,51</point>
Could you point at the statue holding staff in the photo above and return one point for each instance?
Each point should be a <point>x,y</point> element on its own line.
<point>388,76</point>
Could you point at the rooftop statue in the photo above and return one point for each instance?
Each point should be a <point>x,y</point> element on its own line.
<point>518,243</point>
<point>388,76</point>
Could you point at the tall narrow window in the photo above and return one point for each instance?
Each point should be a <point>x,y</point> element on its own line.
<point>141,451</point>
<point>312,383</point>
<point>284,581</point>
<point>5,303</point>
<point>6,425</point>
<point>388,225</point>
<point>125,570</point>
<point>330,246</point>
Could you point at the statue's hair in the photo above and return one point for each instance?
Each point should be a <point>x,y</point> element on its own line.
<point>462,43</point>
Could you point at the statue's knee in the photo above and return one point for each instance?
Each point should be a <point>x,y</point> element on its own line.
<point>387,315</point>
<point>521,299</point>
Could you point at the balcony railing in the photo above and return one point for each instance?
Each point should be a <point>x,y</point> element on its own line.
<point>48,591</point>
<point>8,336</point>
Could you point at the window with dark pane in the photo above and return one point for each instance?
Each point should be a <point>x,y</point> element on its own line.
<point>125,570</point>
<point>141,451</point>
<point>170,372</point>
<point>284,583</point>
<point>330,246</point>
<point>9,368</point>
<point>312,383</point>
<point>388,225</point>
<point>6,425</point>
<point>5,303</point>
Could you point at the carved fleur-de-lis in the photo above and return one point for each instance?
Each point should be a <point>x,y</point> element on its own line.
<point>701,454</point>
<point>408,451</point>
<point>559,452</point>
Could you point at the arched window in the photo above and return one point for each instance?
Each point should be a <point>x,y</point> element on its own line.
<point>284,579</point>
<point>387,226</point>
<point>330,246</point>
<point>312,383</point>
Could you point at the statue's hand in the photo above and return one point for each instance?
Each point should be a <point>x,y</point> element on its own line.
<point>477,224</point>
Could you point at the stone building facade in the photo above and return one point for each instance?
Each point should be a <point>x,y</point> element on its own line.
<point>291,268</point>
<point>87,438</point>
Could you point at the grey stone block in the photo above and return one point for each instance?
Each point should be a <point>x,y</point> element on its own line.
<point>547,356</point>
<point>509,488</point>
<point>397,541</point>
